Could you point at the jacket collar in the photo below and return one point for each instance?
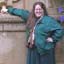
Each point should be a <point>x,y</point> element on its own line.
<point>40,19</point>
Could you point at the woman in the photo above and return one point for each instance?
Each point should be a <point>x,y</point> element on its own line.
<point>43,32</point>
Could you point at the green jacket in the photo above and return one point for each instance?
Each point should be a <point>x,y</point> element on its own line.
<point>46,27</point>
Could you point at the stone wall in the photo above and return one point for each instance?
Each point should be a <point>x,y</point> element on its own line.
<point>12,40</point>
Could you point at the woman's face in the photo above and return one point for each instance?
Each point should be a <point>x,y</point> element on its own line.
<point>38,11</point>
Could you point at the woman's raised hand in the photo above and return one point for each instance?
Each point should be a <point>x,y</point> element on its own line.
<point>4,9</point>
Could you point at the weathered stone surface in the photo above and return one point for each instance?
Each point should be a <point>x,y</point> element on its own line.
<point>11,23</point>
<point>14,27</point>
<point>9,18</point>
<point>12,40</point>
<point>1,27</point>
<point>12,48</point>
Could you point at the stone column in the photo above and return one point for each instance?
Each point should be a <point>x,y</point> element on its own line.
<point>12,40</point>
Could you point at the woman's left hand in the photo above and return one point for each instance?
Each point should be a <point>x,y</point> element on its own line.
<point>49,39</point>
<point>4,9</point>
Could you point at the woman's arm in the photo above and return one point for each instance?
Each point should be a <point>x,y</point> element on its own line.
<point>57,35</point>
<point>24,14</point>
<point>57,30</point>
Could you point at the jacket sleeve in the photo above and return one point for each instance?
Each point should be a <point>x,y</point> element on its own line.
<point>57,30</point>
<point>24,14</point>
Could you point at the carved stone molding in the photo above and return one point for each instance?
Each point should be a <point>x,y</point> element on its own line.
<point>9,18</point>
<point>10,23</point>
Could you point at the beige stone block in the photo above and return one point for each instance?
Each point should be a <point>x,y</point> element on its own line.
<point>29,4</point>
<point>1,28</point>
<point>52,11</point>
<point>12,48</point>
<point>14,27</point>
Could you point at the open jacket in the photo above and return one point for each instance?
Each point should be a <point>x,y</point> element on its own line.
<point>46,27</point>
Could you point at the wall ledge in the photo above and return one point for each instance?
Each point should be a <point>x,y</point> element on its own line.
<point>4,18</point>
